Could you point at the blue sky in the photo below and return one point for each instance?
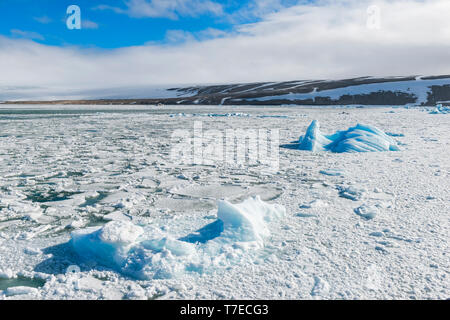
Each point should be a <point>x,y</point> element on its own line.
<point>114,24</point>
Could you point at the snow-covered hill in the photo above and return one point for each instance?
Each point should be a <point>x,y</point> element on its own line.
<point>398,91</point>
<point>366,91</point>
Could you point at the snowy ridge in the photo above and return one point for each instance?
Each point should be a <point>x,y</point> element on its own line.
<point>415,90</point>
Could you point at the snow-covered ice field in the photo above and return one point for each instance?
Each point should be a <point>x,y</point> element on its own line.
<point>92,206</point>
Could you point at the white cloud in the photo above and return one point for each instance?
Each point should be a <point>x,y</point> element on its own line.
<point>325,40</point>
<point>211,33</point>
<point>26,34</point>
<point>259,8</point>
<point>171,9</point>
<point>178,36</point>
<point>88,24</point>
<point>43,20</point>
<point>181,36</point>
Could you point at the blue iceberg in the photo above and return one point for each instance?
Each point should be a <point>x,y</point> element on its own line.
<point>361,138</point>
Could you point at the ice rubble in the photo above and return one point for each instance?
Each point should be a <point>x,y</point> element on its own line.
<point>440,109</point>
<point>361,138</point>
<point>210,115</point>
<point>146,253</point>
<point>366,211</point>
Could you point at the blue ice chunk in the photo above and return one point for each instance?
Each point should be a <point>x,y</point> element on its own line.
<point>440,109</point>
<point>314,140</point>
<point>361,138</point>
<point>143,253</point>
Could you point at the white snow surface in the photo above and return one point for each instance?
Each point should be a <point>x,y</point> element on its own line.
<point>371,225</point>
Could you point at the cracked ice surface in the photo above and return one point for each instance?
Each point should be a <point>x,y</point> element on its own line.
<point>357,225</point>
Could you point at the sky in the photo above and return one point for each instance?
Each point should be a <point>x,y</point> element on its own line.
<point>120,23</point>
<point>132,45</point>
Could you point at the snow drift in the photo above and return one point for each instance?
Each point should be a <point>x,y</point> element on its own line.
<point>142,252</point>
<point>361,138</point>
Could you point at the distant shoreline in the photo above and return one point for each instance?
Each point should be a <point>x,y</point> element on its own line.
<point>389,91</point>
<point>141,102</point>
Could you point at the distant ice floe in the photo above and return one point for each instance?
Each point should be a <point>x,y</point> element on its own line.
<point>148,253</point>
<point>354,193</point>
<point>16,206</point>
<point>362,138</point>
<point>331,172</point>
<point>20,290</point>
<point>211,115</point>
<point>227,115</point>
<point>440,109</point>
<point>367,211</point>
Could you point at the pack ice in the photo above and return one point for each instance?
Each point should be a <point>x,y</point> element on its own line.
<point>145,252</point>
<point>361,138</point>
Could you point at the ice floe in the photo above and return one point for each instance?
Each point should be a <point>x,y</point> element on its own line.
<point>331,172</point>
<point>21,290</point>
<point>368,212</point>
<point>146,253</point>
<point>211,115</point>
<point>315,204</point>
<point>15,206</point>
<point>440,109</point>
<point>354,193</point>
<point>7,274</point>
<point>321,287</point>
<point>361,138</point>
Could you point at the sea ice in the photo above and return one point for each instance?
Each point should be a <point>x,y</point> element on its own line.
<point>7,274</point>
<point>91,165</point>
<point>143,253</point>
<point>315,204</point>
<point>367,212</point>
<point>331,172</point>
<point>321,287</point>
<point>361,138</point>
<point>108,245</point>
<point>247,221</point>
<point>211,115</point>
<point>15,206</point>
<point>15,291</point>
<point>354,193</point>
<point>440,109</point>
